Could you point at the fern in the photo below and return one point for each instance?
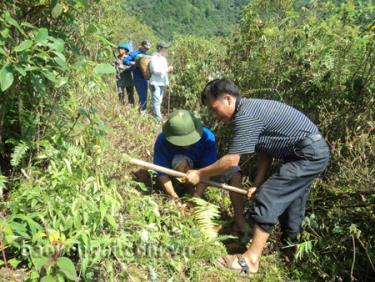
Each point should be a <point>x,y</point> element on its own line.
<point>304,249</point>
<point>205,213</point>
<point>18,154</point>
<point>73,151</point>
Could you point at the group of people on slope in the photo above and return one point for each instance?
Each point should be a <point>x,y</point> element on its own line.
<point>129,74</point>
<point>270,129</point>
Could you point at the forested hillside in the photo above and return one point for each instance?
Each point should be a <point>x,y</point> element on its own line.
<point>72,207</point>
<point>195,17</point>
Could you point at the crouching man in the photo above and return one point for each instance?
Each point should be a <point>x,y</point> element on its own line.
<point>184,145</point>
<point>271,130</point>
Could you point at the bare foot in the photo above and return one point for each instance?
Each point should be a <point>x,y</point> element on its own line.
<point>253,264</point>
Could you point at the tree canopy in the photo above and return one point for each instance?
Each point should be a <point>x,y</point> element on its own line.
<point>195,17</point>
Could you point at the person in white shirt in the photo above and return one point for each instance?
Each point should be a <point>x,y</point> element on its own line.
<point>159,77</point>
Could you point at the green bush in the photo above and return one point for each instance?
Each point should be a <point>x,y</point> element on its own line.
<point>319,57</point>
<point>68,212</point>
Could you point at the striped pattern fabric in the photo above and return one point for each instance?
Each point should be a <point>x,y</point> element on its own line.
<point>268,126</point>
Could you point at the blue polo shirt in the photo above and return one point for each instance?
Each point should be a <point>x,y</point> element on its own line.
<point>131,58</point>
<point>203,152</point>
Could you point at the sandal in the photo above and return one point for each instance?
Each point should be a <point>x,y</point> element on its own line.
<point>227,261</point>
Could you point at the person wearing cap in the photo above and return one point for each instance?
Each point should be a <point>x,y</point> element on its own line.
<point>159,77</point>
<point>184,144</point>
<point>140,83</point>
<point>124,78</point>
<point>271,130</point>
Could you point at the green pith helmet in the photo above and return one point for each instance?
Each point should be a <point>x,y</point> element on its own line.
<point>123,45</point>
<point>162,44</point>
<point>182,128</point>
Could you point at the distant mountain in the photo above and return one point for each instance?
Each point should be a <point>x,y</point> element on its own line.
<point>199,17</point>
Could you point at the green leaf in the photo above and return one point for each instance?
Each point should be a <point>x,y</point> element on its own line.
<point>14,262</point>
<point>60,60</point>
<point>6,78</point>
<point>61,63</point>
<point>39,262</point>
<point>21,70</point>
<point>60,277</point>
<point>85,263</point>
<point>60,55</point>
<point>38,83</point>
<point>18,228</point>
<point>61,81</point>
<point>142,186</point>
<point>92,28</point>
<point>38,236</point>
<point>57,10</point>
<point>67,267</point>
<point>5,32</point>
<point>49,278</point>
<point>102,209</point>
<point>111,221</point>
<point>26,44</point>
<point>26,24</point>
<point>42,35</point>
<point>104,69</point>
<point>31,68</point>
<point>58,44</point>
<point>50,76</point>
<point>13,22</point>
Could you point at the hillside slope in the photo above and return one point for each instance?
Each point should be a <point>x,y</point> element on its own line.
<point>203,18</point>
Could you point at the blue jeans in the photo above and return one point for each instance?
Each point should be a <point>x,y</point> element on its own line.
<point>141,87</point>
<point>157,98</point>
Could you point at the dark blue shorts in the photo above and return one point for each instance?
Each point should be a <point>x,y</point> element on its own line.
<point>282,198</point>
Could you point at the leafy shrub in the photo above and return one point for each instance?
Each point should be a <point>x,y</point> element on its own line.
<point>195,61</point>
<point>319,57</point>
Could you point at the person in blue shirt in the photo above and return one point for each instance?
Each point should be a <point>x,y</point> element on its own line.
<point>183,145</point>
<point>140,83</point>
<point>124,78</point>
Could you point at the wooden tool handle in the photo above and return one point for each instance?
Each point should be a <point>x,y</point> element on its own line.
<point>176,173</point>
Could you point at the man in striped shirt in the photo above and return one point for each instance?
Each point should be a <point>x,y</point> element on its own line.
<point>271,130</point>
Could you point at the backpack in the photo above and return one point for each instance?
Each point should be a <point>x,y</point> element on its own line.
<point>144,65</point>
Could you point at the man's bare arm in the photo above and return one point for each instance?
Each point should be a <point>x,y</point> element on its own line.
<point>220,166</point>
<point>217,168</point>
<point>263,165</point>
<point>166,182</point>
